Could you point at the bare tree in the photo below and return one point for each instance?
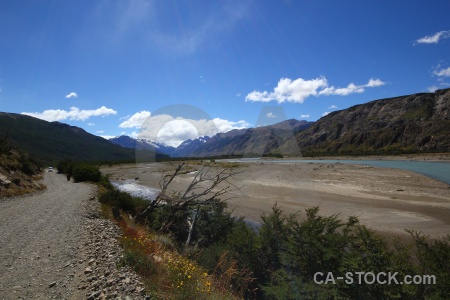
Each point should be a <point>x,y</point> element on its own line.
<point>204,189</point>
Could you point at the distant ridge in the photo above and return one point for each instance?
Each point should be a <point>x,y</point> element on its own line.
<point>142,144</point>
<point>233,142</point>
<point>52,141</point>
<point>251,141</point>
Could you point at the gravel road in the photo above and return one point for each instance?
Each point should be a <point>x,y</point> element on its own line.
<point>40,240</point>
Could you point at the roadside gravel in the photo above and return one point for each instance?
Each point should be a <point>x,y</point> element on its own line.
<point>53,245</point>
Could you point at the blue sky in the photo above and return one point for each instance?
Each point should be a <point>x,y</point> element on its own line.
<point>108,66</point>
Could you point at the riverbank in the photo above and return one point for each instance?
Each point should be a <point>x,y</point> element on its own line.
<point>384,199</point>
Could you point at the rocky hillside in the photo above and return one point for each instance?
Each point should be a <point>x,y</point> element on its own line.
<point>413,123</point>
<point>19,174</point>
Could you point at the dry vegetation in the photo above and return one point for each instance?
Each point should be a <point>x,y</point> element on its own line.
<point>19,174</point>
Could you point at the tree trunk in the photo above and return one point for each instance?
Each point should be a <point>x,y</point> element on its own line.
<point>192,226</point>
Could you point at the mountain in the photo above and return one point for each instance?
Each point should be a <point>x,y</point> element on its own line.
<point>186,148</point>
<point>52,141</point>
<point>143,144</point>
<point>412,123</point>
<point>251,141</point>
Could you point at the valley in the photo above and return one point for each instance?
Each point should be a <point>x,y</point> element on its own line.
<point>388,200</point>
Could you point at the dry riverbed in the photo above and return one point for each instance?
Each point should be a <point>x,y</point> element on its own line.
<point>384,199</point>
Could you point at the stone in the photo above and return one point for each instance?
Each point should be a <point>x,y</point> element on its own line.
<point>4,181</point>
<point>94,295</point>
<point>52,284</point>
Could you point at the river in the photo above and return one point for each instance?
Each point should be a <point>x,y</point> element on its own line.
<point>435,170</point>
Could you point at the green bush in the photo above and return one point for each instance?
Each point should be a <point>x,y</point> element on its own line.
<point>28,168</point>
<point>104,181</point>
<point>65,166</point>
<point>86,173</point>
<point>124,201</point>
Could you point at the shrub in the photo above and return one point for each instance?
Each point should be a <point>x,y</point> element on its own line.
<point>86,173</point>
<point>104,181</point>
<point>28,168</point>
<point>65,166</point>
<point>123,201</point>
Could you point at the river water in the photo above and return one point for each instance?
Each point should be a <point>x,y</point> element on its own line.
<point>435,170</point>
<point>137,190</point>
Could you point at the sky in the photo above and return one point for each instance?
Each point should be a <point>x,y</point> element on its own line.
<point>174,70</point>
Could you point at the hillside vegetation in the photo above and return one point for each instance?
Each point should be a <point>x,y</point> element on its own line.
<point>53,141</point>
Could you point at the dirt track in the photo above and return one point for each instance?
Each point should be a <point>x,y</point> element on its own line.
<point>40,238</point>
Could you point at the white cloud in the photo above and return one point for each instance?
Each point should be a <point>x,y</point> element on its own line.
<point>375,83</point>
<point>100,131</point>
<point>225,126</point>
<point>442,72</point>
<point>136,120</point>
<point>90,124</point>
<point>325,113</point>
<point>289,90</point>
<point>74,114</point>
<point>351,88</point>
<point>270,115</point>
<point>142,19</point>
<point>332,107</point>
<point>71,95</point>
<point>432,89</point>
<point>434,39</point>
<point>305,116</point>
<point>299,89</point>
<point>174,131</point>
<point>107,137</point>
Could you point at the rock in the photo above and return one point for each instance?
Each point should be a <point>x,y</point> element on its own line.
<point>88,271</point>
<point>94,295</point>
<point>4,181</point>
<point>52,284</point>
